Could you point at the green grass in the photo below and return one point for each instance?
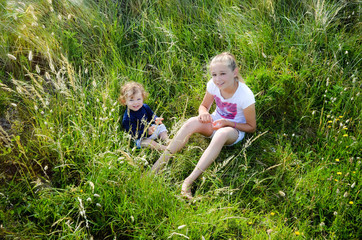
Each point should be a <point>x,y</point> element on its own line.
<point>69,172</point>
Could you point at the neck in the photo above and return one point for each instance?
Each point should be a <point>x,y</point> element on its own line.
<point>229,92</point>
<point>232,88</point>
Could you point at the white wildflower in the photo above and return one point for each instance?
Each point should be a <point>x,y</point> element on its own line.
<point>353,184</point>
<point>96,195</point>
<point>181,227</point>
<point>12,57</point>
<point>99,205</point>
<point>132,218</point>
<point>281,193</point>
<point>91,184</point>
<point>37,69</point>
<point>345,194</point>
<point>30,56</point>
<point>89,199</point>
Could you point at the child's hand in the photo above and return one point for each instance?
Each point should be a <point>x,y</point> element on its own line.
<point>151,130</point>
<point>205,118</point>
<point>158,121</point>
<point>220,124</point>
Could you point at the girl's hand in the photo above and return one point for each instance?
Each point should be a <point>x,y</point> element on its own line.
<point>158,121</point>
<point>220,124</point>
<point>205,118</point>
<point>151,130</point>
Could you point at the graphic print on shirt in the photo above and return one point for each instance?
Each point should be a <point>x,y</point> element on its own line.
<point>225,109</point>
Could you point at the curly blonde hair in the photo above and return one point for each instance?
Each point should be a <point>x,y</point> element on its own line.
<point>129,89</point>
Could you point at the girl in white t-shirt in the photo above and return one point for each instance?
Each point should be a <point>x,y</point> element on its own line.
<point>234,115</point>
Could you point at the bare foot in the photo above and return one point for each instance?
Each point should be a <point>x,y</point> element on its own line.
<point>186,191</point>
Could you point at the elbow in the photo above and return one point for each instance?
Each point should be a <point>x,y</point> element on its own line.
<point>253,128</point>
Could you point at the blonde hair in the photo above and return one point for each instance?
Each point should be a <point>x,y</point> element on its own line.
<point>229,60</point>
<point>129,89</point>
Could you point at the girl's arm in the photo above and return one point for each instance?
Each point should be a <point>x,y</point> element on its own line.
<point>249,126</point>
<point>204,115</point>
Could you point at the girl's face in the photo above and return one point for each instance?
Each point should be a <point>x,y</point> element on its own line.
<point>222,75</point>
<point>135,102</point>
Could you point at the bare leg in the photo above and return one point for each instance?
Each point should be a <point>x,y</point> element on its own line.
<point>193,125</point>
<point>152,144</point>
<point>223,136</point>
<point>164,137</point>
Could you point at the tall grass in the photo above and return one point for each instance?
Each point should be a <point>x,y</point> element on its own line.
<point>68,170</point>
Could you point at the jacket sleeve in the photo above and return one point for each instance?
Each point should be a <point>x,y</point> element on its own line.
<point>151,117</point>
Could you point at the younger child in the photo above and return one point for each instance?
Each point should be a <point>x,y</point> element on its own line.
<point>139,120</point>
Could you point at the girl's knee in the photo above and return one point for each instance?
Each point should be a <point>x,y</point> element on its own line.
<point>224,135</point>
<point>191,123</point>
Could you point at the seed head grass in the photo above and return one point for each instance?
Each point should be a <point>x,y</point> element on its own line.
<point>69,170</point>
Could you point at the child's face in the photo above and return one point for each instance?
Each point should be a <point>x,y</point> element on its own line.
<point>222,75</point>
<point>135,102</point>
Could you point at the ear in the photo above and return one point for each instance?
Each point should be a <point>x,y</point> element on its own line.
<point>236,72</point>
<point>122,101</point>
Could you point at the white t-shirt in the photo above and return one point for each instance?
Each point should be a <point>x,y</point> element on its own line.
<point>232,108</point>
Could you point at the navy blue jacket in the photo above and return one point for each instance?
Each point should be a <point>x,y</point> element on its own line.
<point>136,122</point>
